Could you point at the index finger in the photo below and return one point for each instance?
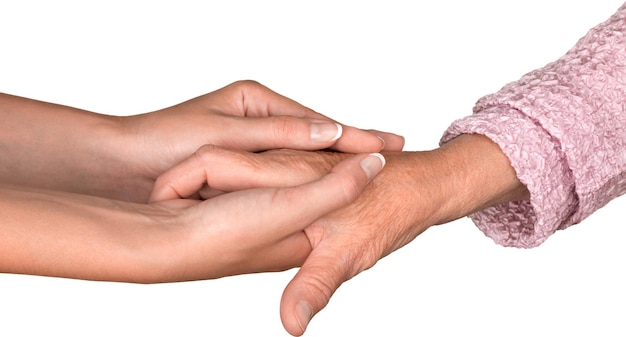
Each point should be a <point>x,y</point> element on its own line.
<point>260,101</point>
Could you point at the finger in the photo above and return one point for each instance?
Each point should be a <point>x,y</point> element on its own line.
<point>259,134</point>
<point>277,132</point>
<point>279,212</point>
<point>213,170</point>
<point>356,140</point>
<point>277,168</point>
<point>259,101</point>
<point>253,220</point>
<point>392,141</point>
<point>312,287</point>
<point>210,164</point>
<point>207,192</point>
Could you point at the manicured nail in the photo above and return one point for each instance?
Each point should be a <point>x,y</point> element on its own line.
<point>382,140</point>
<point>325,132</point>
<point>304,313</point>
<point>372,164</point>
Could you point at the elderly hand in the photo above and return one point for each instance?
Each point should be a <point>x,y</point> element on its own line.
<point>415,191</point>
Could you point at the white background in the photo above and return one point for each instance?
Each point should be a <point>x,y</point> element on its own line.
<point>405,66</point>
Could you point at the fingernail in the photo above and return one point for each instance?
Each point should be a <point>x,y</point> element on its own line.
<point>382,140</point>
<point>372,164</point>
<point>325,132</point>
<point>304,313</point>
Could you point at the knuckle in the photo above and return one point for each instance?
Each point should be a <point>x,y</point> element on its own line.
<point>367,258</point>
<point>284,126</point>
<point>320,284</point>
<point>205,153</point>
<point>350,190</point>
<point>245,85</point>
<point>360,255</point>
<point>210,154</point>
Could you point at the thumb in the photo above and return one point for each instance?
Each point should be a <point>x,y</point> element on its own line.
<point>311,289</point>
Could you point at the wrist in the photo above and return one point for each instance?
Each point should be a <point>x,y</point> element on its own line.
<point>104,161</point>
<point>62,148</point>
<point>475,174</point>
<point>463,176</point>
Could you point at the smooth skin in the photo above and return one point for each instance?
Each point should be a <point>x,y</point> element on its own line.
<point>51,146</point>
<point>74,186</point>
<point>415,191</point>
<point>62,234</point>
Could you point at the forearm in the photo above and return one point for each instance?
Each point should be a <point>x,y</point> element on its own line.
<point>57,147</point>
<point>475,174</point>
<point>425,188</point>
<point>561,126</point>
<point>415,190</point>
<point>60,234</point>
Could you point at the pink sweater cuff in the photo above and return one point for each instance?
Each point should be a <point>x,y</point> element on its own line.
<point>538,163</point>
<point>563,128</point>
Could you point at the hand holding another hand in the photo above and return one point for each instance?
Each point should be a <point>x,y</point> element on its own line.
<point>62,148</point>
<point>245,231</point>
<point>244,116</point>
<point>415,191</point>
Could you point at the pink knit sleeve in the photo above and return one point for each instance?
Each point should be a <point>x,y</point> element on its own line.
<point>563,127</point>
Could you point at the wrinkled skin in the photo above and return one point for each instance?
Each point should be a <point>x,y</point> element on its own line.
<point>415,191</point>
<point>342,243</point>
<point>91,174</point>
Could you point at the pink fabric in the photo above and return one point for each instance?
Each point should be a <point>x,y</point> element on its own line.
<point>563,127</point>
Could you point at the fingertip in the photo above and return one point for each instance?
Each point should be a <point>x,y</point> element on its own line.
<point>372,164</point>
<point>355,140</point>
<point>304,313</point>
<point>160,192</point>
<point>382,140</point>
<point>296,317</point>
<point>391,141</point>
<point>296,308</point>
<point>339,132</point>
<point>323,132</point>
<point>311,289</point>
<point>153,197</point>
